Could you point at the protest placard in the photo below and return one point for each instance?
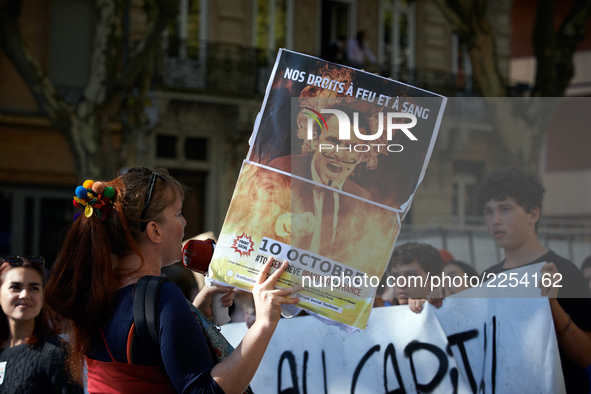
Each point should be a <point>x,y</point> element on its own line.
<point>335,159</point>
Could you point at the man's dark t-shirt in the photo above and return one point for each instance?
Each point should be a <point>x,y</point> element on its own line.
<point>574,298</point>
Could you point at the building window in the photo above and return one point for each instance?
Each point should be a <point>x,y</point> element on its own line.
<point>272,26</point>
<point>5,223</point>
<point>397,38</point>
<point>196,148</point>
<point>166,146</point>
<point>184,47</point>
<point>184,37</point>
<point>177,149</point>
<point>71,34</point>
<point>461,65</point>
<point>33,220</point>
<point>467,177</point>
<point>336,28</point>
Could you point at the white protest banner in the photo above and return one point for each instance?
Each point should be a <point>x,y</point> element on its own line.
<point>514,320</point>
<point>398,349</point>
<point>503,344</point>
<point>498,345</point>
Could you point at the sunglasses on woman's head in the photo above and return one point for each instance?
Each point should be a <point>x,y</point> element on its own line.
<point>18,261</point>
<point>149,191</point>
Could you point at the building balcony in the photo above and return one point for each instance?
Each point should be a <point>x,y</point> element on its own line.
<point>214,68</point>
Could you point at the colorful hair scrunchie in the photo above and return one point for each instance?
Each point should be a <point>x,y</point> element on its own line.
<point>95,198</point>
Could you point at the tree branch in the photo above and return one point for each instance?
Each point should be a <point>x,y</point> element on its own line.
<point>43,91</point>
<point>572,30</point>
<point>555,51</point>
<point>167,9</point>
<point>452,11</point>
<point>469,21</point>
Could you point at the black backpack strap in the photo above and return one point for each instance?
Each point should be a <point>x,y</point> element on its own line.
<point>145,314</point>
<point>151,308</point>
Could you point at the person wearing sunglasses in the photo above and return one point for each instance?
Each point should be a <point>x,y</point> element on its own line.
<point>32,357</point>
<point>130,228</point>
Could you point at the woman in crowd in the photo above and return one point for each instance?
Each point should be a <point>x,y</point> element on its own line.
<point>462,270</point>
<point>131,227</point>
<point>449,286</point>
<point>31,356</point>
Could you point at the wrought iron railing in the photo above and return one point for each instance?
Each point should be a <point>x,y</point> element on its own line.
<point>231,69</point>
<point>216,68</point>
<point>468,240</point>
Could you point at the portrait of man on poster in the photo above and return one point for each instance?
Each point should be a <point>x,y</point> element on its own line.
<point>328,211</point>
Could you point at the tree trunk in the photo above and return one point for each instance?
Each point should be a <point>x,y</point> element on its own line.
<point>555,50</point>
<point>86,126</point>
<point>469,21</point>
<point>86,129</point>
<point>485,68</point>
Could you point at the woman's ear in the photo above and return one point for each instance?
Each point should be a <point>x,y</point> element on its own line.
<point>154,232</point>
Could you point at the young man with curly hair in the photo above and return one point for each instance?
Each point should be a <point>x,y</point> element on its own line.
<point>512,201</point>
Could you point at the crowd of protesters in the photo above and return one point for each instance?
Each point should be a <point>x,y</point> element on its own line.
<point>139,225</point>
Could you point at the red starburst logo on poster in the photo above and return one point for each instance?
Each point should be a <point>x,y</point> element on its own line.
<point>243,245</point>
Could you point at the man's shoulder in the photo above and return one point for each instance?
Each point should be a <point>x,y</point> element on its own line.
<point>549,256</point>
<point>561,263</point>
<point>553,257</point>
<point>573,283</point>
<point>573,295</point>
